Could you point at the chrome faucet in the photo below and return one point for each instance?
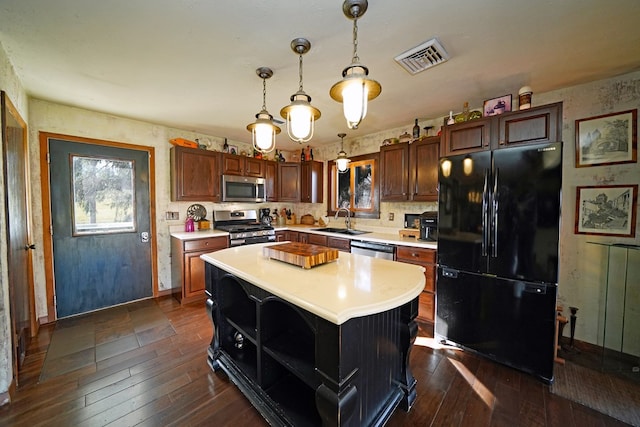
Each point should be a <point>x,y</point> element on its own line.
<point>347,220</point>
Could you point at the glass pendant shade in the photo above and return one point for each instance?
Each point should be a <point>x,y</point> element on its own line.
<point>263,131</point>
<point>301,117</point>
<point>355,89</point>
<point>300,114</point>
<point>342,162</point>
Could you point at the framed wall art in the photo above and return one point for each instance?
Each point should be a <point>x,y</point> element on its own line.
<point>495,106</point>
<point>607,139</point>
<point>608,210</point>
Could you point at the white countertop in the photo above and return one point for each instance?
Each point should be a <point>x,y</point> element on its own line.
<point>352,286</point>
<point>391,237</point>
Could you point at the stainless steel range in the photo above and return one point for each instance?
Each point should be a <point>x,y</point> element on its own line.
<point>243,227</point>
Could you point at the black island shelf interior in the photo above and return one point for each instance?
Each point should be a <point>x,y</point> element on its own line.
<point>297,367</point>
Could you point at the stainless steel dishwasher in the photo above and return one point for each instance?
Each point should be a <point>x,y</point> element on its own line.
<point>373,249</point>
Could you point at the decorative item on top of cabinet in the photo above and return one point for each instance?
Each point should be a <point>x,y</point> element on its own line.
<point>242,165</point>
<point>195,174</point>
<point>426,258</point>
<point>187,269</point>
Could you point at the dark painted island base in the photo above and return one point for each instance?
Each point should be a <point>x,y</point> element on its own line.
<point>299,369</point>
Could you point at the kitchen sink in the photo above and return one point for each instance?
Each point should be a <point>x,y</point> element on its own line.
<point>341,231</point>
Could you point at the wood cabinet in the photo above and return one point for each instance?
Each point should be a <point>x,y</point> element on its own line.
<point>338,243</point>
<point>288,182</point>
<point>187,269</point>
<point>311,181</point>
<point>394,172</point>
<point>233,164</point>
<point>535,125</point>
<point>423,169</point>
<point>271,180</point>
<point>426,258</point>
<point>195,175</point>
<point>316,239</point>
<point>410,171</point>
<point>288,236</point>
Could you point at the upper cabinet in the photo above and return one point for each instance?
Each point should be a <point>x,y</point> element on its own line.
<point>288,182</point>
<point>535,125</point>
<point>195,174</point>
<point>233,164</point>
<point>423,169</point>
<point>271,180</point>
<point>394,172</point>
<point>409,172</point>
<point>311,180</point>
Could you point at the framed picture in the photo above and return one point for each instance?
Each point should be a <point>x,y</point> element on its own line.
<point>608,210</point>
<point>607,139</point>
<point>495,106</point>
<point>233,149</point>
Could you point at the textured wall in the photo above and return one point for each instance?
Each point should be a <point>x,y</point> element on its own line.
<point>10,84</point>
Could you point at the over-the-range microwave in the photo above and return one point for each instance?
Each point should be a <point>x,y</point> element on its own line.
<point>243,189</point>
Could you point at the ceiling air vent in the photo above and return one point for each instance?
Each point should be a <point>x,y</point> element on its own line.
<point>426,55</point>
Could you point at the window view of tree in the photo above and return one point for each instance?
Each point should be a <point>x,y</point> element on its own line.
<point>103,195</point>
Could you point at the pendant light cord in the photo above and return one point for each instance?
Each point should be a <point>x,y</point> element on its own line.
<point>264,94</point>
<point>355,59</point>
<point>300,72</point>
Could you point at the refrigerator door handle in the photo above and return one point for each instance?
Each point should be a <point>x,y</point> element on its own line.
<point>485,214</point>
<point>494,216</point>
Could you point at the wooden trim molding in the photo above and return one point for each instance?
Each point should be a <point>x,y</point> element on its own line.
<point>47,239</point>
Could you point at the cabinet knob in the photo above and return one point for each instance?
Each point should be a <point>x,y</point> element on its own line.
<point>501,142</point>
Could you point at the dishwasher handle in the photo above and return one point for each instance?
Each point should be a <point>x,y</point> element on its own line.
<point>378,247</point>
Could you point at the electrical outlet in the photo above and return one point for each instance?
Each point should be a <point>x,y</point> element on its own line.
<point>391,216</point>
<point>172,215</point>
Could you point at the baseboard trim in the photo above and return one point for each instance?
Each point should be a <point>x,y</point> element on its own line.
<point>6,397</point>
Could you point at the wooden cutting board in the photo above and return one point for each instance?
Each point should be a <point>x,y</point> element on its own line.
<point>301,254</point>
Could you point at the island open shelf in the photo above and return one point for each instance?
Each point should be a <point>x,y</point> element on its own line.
<point>324,363</point>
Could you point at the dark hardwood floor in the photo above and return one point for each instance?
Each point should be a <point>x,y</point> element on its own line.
<point>145,364</point>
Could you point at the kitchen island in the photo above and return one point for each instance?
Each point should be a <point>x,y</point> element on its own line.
<point>323,346</point>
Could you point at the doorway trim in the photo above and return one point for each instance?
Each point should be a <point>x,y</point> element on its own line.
<point>46,209</point>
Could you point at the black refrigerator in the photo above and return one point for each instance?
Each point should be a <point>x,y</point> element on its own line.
<point>498,239</point>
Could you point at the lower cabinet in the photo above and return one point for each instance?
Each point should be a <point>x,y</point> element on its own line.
<point>187,269</point>
<point>299,369</point>
<point>426,258</point>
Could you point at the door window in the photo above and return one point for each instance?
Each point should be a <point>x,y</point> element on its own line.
<point>103,195</point>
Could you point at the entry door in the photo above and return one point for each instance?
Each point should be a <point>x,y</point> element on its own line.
<point>20,272</point>
<point>100,213</point>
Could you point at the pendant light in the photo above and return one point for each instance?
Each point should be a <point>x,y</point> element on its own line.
<point>263,131</point>
<point>355,89</point>
<point>300,114</point>
<point>342,162</point>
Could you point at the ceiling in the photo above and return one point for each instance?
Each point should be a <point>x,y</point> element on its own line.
<point>191,64</point>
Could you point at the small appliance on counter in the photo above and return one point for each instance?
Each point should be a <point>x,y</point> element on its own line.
<point>429,226</point>
<point>265,216</point>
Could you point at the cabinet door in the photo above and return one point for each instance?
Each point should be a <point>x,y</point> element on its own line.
<point>394,172</point>
<point>311,182</point>
<point>536,125</point>
<point>271,180</point>
<point>466,137</point>
<point>232,164</point>
<point>194,275</point>
<point>288,182</point>
<point>254,167</point>
<point>300,237</point>
<point>195,175</point>
<point>343,245</point>
<point>427,258</point>
<point>424,157</point>
<point>316,239</point>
